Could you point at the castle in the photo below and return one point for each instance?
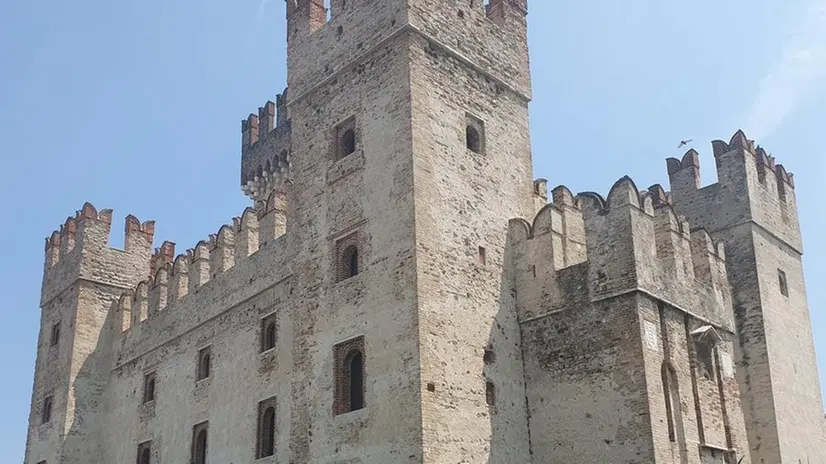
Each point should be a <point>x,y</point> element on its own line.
<point>404,291</point>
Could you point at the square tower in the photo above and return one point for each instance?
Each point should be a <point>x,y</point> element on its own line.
<point>753,210</point>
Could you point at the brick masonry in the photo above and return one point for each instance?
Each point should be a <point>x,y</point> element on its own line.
<point>577,338</point>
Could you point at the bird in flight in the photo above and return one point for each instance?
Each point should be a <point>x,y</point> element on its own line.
<point>684,143</point>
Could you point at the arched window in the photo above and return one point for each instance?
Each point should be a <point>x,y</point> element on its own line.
<point>145,457</point>
<point>267,433</point>
<point>149,388</point>
<point>348,142</point>
<point>354,373</point>
<point>201,447</point>
<point>349,376</point>
<point>350,262</point>
<point>204,360</point>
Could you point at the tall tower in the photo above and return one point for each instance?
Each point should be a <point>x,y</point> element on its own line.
<point>409,151</point>
<point>752,209</point>
<point>82,279</point>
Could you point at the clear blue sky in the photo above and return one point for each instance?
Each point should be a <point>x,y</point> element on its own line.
<point>136,106</point>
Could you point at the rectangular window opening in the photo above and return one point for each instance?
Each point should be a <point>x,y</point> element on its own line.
<point>55,335</point>
<point>269,332</point>
<point>145,453</point>
<point>482,256</point>
<point>149,384</point>
<point>783,283</point>
<point>46,413</point>
<point>204,363</point>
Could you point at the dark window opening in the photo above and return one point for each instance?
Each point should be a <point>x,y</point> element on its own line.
<point>55,336</point>
<point>46,414</point>
<point>266,433</point>
<point>473,140</point>
<point>489,357</point>
<point>350,261</point>
<point>482,256</point>
<point>490,394</point>
<point>349,376</point>
<point>672,401</point>
<point>348,142</point>
<point>199,444</point>
<point>705,359</point>
<point>149,388</point>
<point>145,453</point>
<point>355,374</point>
<point>268,333</point>
<point>204,359</point>
<point>783,282</point>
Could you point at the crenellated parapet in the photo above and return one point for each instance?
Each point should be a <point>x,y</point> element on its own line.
<point>588,248</point>
<point>80,249</point>
<point>751,187</point>
<point>266,149</point>
<point>175,278</point>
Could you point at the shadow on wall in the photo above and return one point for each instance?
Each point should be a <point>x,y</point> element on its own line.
<point>505,377</point>
<point>81,442</point>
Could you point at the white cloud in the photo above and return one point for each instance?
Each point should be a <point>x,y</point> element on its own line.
<point>261,7</point>
<point>800,71</point>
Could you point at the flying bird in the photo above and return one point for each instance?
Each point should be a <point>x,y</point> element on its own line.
<point>684,143</point>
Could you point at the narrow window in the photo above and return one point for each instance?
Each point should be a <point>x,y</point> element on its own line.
<point>145,453</point>
<point>268,333</point>
<point>204,360</point>
<point>672,401</point>
<point>345,138</point>
<point>55,336</point>
<point>348,142</point>
<point>356,380</point>
<point>46,413</point>
<point>482,256</point>
<point>784,284</point>
<point>472,139</point>
<point>475,134</point>
<point>199,443</point>
<point>490,394</point>
<point>149,387</point>
<point>705,359</point>
<point>266,428</point>
<point>350,261</point>
<point>349,376</point>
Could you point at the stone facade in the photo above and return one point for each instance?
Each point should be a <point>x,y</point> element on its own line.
<point>384,301</point>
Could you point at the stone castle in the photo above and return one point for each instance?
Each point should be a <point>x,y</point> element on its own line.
<point>403,291</point>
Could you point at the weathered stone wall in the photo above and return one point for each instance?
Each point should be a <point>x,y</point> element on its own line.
<point>473,403</point>
<point>83,278</point>
<point>599,334</point>
<point>752,209</point>
<point>366,196</point>
<point>586,388</point>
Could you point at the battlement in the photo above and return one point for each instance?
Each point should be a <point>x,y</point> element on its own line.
<point>174,277</point>
<point>80,249</point>
<point>265,149</point>
<point>589,247</point>
<point>751,187</point>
